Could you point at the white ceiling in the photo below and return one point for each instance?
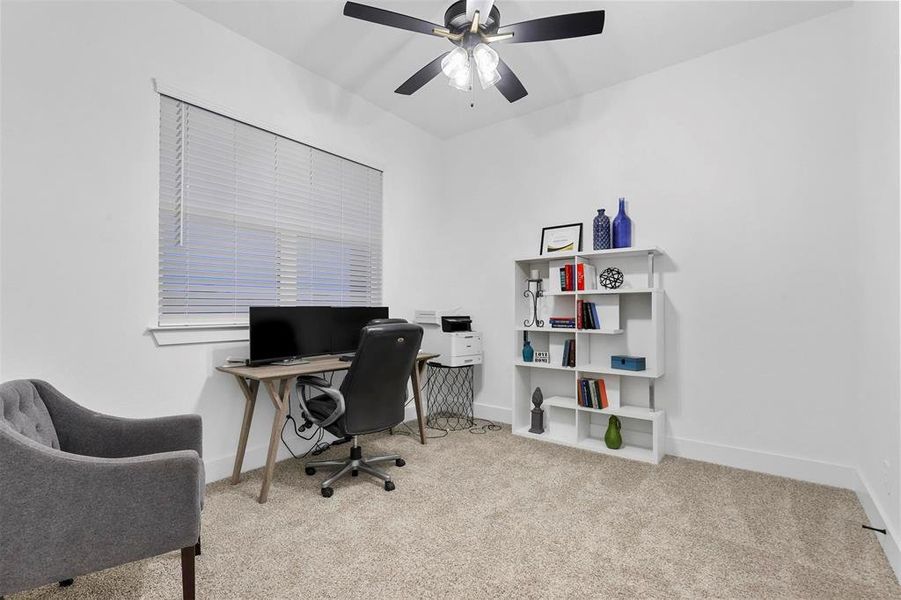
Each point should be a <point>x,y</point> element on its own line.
<point>372,60</point>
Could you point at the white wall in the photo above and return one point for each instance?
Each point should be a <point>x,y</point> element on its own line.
<point>744,166</point>
<point>80,178</point>
<point>875,203</point>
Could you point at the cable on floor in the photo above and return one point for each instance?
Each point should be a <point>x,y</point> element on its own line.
<point>318,432</point>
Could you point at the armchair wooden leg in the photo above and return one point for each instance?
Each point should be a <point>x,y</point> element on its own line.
<point>66,582</point>
<point>197,548</point>
<point>187,573</point>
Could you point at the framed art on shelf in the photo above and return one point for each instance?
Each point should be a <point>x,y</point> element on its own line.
<point>561,238</point>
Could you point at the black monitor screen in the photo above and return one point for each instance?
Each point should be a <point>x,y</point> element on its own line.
<point>348,321</point>
<point>280,332</point>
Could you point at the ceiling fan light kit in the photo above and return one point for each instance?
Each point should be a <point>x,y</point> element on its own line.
<point>471,31</point>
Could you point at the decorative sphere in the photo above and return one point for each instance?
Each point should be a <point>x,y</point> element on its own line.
<point>611,278</point>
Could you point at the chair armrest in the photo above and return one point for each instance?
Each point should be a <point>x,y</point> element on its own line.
<point>66,514</point>
<point>322,385</point>
<point>84,431</point>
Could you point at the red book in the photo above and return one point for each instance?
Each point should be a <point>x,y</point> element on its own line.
<point>579,314</point>
<point>602,393</point>
<point>580,276</point>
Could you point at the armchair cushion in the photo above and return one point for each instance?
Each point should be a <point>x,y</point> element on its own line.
<point>23,410</point>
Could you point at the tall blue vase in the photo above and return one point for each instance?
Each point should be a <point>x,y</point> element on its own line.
<point>622,227</point>
<point>601,231</point>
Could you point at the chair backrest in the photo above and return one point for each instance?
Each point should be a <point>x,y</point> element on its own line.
<point>385,321</point>
<point>23,411</point>
<point>375,387</point>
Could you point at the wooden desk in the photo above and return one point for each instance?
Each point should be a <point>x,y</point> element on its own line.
<point>276,380</point>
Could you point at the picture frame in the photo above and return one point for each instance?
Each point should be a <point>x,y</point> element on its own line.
<point>542,357</point>
<point>561,239</point>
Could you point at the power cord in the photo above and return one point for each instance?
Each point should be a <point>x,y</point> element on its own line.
<point>317,432</point>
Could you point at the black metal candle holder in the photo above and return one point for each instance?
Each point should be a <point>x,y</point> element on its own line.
<point>534,321</point>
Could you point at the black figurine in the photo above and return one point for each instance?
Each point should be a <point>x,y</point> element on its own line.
<point>537,412</point>
<point>611,278</point>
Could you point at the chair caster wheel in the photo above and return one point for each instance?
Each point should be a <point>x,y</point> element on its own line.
<point>327,492</point>
<point>389,486</point>
<point>354,473</point>
<point>310,471</point>
<point>66,582</point>
<point>400,462</point>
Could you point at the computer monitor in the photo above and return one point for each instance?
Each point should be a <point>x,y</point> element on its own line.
<point>348,322</point>
<point>286,332</point>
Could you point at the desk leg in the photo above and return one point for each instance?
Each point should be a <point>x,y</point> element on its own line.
<point>250,400</point>
<point>280,401</point>
<point>417,397</point>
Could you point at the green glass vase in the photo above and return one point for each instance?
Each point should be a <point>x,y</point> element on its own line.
<point>613,438</point>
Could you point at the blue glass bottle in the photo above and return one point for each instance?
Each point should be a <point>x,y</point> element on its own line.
<point>528,353</point>
<point>622,227</point>
<point>601,231</point>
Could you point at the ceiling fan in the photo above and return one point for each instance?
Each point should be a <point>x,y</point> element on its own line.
<point>472,26</point>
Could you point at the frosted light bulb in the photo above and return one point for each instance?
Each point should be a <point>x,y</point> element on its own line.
<point>456,60</point>
<point>486,60</point>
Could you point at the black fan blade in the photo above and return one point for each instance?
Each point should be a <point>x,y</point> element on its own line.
<point>558,27</point>
<point>509,85</point>
<point>421,77</point>
<point>386,17</point>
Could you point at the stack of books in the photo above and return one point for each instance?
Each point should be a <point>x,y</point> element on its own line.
<point>563,322</point>
<point>593,393</point>
<point>569,353</point>
<point>587,315</point>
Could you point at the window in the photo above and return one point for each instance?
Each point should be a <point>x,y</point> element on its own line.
<point>249,218</point>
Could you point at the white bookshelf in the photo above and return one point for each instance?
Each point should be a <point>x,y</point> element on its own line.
<point>632,323</point>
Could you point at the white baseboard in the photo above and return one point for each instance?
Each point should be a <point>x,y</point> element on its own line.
<point>876,516</point>
<point>254,458</point>
<point>498,414</point>
<point>782,465</point>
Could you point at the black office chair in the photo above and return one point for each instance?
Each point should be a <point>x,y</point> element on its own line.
<point>385,321</point>
<point>371,398</point>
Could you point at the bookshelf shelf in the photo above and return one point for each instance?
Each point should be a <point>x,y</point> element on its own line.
<point>631,323</point>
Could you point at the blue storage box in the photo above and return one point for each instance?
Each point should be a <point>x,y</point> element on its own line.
<point>629,363</point>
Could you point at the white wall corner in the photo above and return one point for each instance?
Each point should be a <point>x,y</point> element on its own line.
<point>876,517</point>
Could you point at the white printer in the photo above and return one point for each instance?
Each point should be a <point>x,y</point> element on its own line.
<point>451,336</point>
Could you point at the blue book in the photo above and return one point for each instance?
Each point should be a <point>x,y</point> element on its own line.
<point>594,316</point>
<point>586,394</point>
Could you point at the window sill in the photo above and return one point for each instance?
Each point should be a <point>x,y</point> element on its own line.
<point>197,334</point>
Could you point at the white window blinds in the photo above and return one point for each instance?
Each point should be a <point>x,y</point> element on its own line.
<point>250,218</point>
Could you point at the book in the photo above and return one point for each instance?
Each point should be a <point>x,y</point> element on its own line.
<point>568,270</point>
<point>583,389</point>
<point>602,393</point>
<point>580,276</point>
<point>579,308</point>
<point>595,397</point>
<point>562,279</point>
<point>572,353</point>
<point>565,361</point>
<point>596,320</point>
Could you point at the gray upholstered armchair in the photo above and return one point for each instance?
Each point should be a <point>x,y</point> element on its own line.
<point>81,491</point>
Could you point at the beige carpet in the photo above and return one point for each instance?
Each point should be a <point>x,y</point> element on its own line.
<point>492,516</point>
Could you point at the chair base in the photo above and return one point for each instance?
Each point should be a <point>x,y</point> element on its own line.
<point>353,466</point>
<point>66,582</point>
